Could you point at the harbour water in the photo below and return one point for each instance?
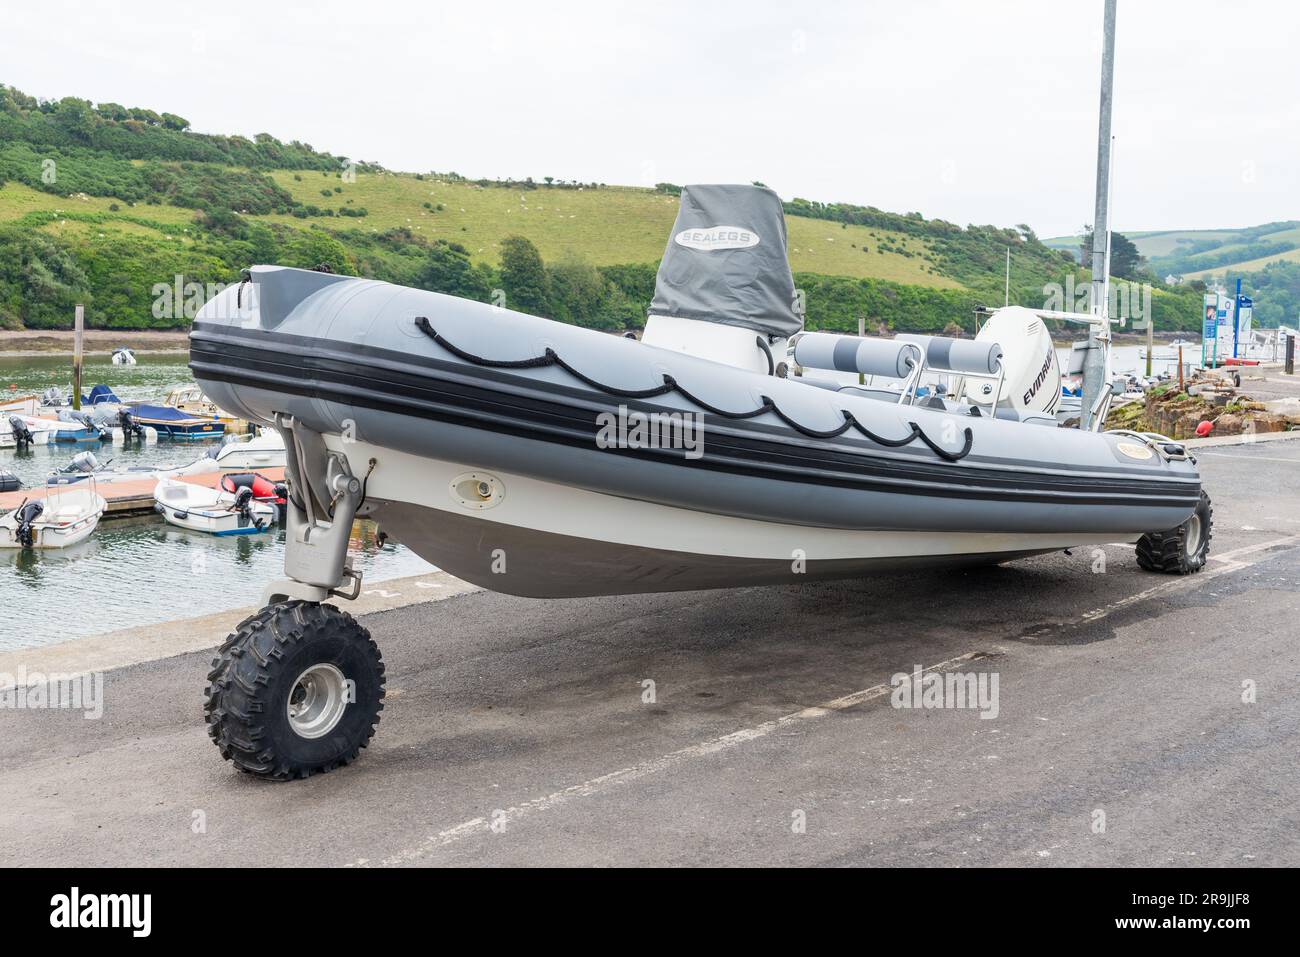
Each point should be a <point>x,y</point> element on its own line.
<point>138,571</point>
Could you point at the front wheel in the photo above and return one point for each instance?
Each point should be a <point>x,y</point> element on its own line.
<point>295,690</point>
<point>1182,550</point>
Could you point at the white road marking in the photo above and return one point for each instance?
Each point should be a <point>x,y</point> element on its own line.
<point>1252,458</point>
<point>501,819</point>
<point>1228,562</point>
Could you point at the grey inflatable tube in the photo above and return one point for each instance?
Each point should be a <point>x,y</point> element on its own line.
<point>959,355</point>
<point>893,358</point>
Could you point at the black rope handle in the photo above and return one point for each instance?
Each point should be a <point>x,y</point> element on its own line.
<point>551,358</point>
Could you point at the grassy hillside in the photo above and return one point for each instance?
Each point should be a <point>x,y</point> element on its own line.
<point>1203,253</point>
<point>99,203</point>
<point>1248,265</point>
<point>603,226</point>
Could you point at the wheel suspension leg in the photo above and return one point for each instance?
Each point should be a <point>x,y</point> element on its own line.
<point>323,500</point>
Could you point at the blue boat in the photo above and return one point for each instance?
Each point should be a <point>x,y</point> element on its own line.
<point>99,395</point>
<point>73,430</point>
<point>177,424</point>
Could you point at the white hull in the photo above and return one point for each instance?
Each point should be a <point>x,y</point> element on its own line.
<point>111,476</point>
<point>418,502</point>
<point>265,451</point>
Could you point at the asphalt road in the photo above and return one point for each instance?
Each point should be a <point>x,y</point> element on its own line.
<point>517,731</point>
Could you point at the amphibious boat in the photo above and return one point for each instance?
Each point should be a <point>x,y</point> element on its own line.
<point>725,448</point>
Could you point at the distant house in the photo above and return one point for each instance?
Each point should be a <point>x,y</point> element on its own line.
<point>1172,280</point>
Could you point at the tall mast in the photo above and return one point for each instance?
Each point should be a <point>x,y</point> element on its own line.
<point>1094,371</point>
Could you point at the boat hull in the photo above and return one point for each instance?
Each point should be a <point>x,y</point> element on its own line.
<point>546,540</point>
<point>222,524</point>
<point>185,430</point>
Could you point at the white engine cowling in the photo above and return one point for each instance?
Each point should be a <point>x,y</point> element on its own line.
<point>1033,373</point>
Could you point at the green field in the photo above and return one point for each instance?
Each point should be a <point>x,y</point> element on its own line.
<point>17,200</point>
<point>605,226</point>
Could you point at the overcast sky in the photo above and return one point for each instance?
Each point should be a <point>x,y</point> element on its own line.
<point>966,111</point>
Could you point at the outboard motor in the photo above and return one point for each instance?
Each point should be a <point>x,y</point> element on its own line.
<point>131,429</point>
<point>1032,385</point>
<point>52,397</point>
<point>244,506</point>
<point>27,514</point>
<point>22,434</point>
<point>82,462</point>
<point>94,428</point>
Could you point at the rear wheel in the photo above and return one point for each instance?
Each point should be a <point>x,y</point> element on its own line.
<point>1182,550</point>
<point>295,690</point>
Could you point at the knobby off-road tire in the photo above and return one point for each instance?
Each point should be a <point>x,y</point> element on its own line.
<point>273,699</point>
<point>1183,550</point>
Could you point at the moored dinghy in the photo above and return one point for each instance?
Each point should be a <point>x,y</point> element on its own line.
<point>85,466</point>
<point>547,460</point>
<point>63,517</point>
<point>203,509</point>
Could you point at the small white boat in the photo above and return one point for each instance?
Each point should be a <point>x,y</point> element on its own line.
<point>85,466</point>
<point>63,517</point>
<point>122,356</point>
<point>263,451</point>
<point>210,510</point>
<point>20,430</point>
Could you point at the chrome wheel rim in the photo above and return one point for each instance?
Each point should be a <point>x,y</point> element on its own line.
<point>317,701</point>
<point>1193,536</point>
